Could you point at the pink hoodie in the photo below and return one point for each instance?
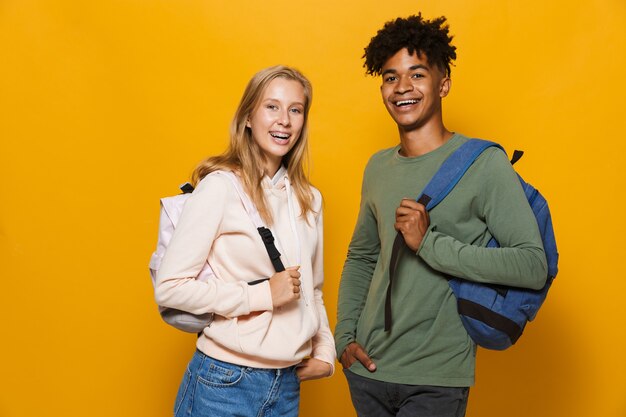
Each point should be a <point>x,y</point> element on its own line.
<point>214,226</point>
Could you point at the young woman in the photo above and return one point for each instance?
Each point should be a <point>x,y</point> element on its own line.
<point>267,335</point>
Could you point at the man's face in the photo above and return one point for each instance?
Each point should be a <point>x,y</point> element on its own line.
<point>412,89</point>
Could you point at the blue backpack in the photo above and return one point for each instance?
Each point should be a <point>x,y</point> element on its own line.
<point>493,315</point>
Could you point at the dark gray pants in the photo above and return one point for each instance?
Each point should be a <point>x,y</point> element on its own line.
<point>373,398</point>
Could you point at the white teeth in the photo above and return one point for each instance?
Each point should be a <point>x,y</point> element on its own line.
<point>279,135</point>
<point>404,102</point>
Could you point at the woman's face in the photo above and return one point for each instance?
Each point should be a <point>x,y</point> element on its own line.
<point>277,121</point>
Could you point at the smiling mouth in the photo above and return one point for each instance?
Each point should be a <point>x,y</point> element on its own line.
<point>280,137</point>
<point>403,103</point>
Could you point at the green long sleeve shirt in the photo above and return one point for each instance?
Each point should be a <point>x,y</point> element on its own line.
<point>427,344</point>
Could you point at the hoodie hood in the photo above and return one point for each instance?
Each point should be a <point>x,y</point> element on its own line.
<point>277,182</point>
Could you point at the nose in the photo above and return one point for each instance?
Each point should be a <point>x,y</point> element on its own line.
<point>283,118</point>
<point>404,85</point>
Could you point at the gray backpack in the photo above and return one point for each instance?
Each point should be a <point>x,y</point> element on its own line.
<point>171,209</point>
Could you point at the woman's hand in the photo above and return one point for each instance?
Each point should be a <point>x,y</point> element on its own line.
<point>313,369</point>
<point>285,286</point>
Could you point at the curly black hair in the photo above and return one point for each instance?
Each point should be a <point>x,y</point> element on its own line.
<point>419,35</point>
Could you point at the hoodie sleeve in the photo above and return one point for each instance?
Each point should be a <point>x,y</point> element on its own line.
<point>186,255</point>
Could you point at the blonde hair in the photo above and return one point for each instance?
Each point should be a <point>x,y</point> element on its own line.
<point>243,153</point>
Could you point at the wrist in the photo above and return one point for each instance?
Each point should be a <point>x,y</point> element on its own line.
<point>331,370</point>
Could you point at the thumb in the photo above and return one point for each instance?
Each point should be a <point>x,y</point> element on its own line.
<point>293,268</point>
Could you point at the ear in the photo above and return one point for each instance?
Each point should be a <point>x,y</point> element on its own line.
<point>248,125</point>
<point>444,88</point>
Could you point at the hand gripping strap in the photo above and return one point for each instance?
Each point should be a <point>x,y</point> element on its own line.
<point>447,176</point>
<point>398,243</point>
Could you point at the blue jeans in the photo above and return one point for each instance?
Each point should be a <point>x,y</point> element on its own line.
<point>214,388</point>
<point>372,398</point>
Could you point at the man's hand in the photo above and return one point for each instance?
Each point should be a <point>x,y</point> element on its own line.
<point>355,352</point>
<point>412,221</point>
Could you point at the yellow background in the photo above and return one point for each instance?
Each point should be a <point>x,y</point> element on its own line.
<point>105,106</point>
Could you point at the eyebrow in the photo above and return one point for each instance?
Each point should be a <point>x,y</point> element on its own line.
<point>272,99</point>
<point>411,68</point>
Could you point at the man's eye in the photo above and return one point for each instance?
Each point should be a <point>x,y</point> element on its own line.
<point>390,78</point>
<point>417,75</point>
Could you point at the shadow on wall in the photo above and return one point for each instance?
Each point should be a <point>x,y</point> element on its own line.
<point>536,377</point>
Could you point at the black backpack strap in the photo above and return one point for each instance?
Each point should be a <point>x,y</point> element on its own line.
<point>481,313</point>
<point>268,241</point>
<point>398,243</point>
<point>517,154</point>
<point>395,251</point>
<point>266,234</point>
<point>186,188</point>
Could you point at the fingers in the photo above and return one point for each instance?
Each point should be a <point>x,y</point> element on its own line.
<point>285,286</point>
<point>355,352</point>
<point>345,363</point>
<point>410,203</point>
<point>293,272</point>
<point>347,357</point>
<point>407,223</point>
<point>413,227</point>
<point>364,358</point>
<point>410,213</point>
<point>296,285</point>
<point>294,279</point>
<point>408,207</point>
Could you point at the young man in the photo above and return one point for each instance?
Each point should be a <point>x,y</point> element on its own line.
<point>423,364</point>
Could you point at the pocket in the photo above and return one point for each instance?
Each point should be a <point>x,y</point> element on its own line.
<point>182,392</point>
<point>252,332</point>
<point>244,336</point>
<point>460,412</point>
<point>220,374</point>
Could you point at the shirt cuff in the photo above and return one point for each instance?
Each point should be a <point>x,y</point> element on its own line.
<point>326,354</point>
<point>426,239</point>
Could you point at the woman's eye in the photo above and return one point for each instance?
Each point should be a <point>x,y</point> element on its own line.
<point>296,110</point>
<point>272,106</point>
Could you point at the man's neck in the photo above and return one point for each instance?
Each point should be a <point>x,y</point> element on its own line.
<point>420,141</point>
